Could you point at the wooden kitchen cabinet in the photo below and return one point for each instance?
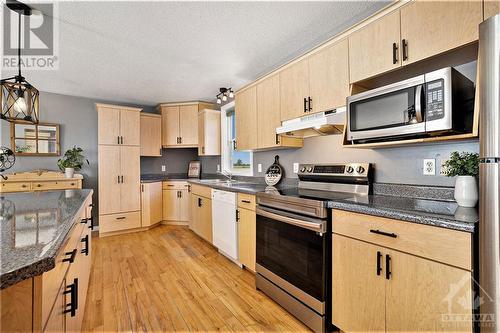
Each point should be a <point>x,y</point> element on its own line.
<point>432,27</point>
<point>358,294</point>
<point>151,134</point>
<point>400,276</point>
<point>294,90</point>
<point>247,238</point>
<point>329,77</point>
<point>375,48</point>
<point>118,125</point>
<point>491,8</point>
<point>209,132</point>
<point>180,123</point>
<point>151,204</point>
<point>246,119</point>
<point>201,217</point>
<point>175,201</point>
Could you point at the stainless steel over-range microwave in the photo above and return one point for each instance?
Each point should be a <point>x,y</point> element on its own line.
<point>438,101</point>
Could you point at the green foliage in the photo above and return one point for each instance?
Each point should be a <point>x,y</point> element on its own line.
<point>462,164</point>
<point>73,158</point>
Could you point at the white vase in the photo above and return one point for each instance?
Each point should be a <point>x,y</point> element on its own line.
<point>466,193</point>
<point>70,172</point>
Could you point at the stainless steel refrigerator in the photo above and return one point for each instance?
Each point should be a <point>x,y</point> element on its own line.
<point>489,174</point>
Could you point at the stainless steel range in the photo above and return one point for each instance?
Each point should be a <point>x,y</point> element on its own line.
<point>294,238</point>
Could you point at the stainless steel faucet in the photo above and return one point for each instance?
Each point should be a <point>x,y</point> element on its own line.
<point>226,174</point>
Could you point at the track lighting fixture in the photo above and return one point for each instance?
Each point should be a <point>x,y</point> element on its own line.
<point>224,94</point>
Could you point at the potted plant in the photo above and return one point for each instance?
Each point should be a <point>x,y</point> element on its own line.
<point>465,166</point>
<point>72,160</point>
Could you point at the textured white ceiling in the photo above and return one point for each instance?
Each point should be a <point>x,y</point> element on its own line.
<point>150,52</point>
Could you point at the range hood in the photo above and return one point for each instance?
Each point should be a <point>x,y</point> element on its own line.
<point>322,123</point>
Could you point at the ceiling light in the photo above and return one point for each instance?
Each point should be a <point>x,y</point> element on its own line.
<point>20,100</point>
<point>219,100</point>
<point>231,94</point>
<point>224,95</point>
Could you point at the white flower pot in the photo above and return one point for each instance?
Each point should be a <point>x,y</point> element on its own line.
<point>466,193</point>
<point>70,172</point>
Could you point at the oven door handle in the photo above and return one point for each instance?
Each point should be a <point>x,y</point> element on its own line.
<point>314,226</point>
<point>418,103</point>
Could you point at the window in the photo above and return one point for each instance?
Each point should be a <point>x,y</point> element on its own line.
<point>233,161</point>
<point>35,139</point>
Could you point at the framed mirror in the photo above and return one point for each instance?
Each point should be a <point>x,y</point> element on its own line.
<point>40,139</point>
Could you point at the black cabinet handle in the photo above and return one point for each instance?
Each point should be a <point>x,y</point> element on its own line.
<point>394,53</point>
<point>388,267</point>
<point>383,233</point>
<point>245,201</point>
<point>73,304</point>
<point>309,101</point>
<point>71,255</point>
<point>305,104</point>
<point>121,178</point>
<point>91,225</point>
<point>199,202</point>
<point>142,187</point>
<point>84,221</point>
<point>237,215</point>
<point>277,139</point>
<point>118,139</point>
<point>404,43</point>
<point>379,264</point>
<point>118,179</point>
<point>180,139</point>
<point>121,218</point>
<point>85,241</point>
<point>203,150</point>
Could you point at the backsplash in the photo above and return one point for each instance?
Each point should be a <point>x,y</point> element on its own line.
<point>176,160</point>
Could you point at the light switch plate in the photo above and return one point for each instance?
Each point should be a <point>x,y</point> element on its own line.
<point>259,167</point>
<point>163,168</point>
<point>218,167</point>
<point>295,167</point>
<point>429,167</point>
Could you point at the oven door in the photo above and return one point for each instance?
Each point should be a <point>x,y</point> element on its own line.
<point>292,253</point>
<point>391,111</point>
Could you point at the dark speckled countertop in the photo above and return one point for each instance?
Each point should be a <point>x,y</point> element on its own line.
<point>158,177</point>
<point>33,227</point>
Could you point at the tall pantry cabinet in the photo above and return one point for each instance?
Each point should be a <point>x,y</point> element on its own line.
<point>119,168</point>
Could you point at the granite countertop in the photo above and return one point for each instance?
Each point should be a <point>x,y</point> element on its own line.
<point>158,177</point>
<point>33,228</point>
<point>238,186</point>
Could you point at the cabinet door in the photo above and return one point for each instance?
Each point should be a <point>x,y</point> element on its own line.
<point>188,125</point>
<point>108,126</point>
<point>247,238</point>
<point>201,133</point>
<point>246,119</point>
<point>358,293</point>
<point>491,8</point>
<point>151,204</point>
<point>268,111</point>
<point>109,166</point>
<point>329,77</point>
<point>294,87</point>
<point>57,319</point>
<point>184,212</point>
<point>194,211</point>
<point>150,136</point>
<point>170,125</point>
<point>130,127</point>
<point>205,220</point>
<point>433,27</point>
<point>171,205</point>
<point>130,187</point>
<point>421,293</point>
<point>209,133</point>
<point>371,48</point>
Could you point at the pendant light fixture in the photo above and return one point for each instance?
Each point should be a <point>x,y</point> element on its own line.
<point>20,100</point>
<point>224,94</point>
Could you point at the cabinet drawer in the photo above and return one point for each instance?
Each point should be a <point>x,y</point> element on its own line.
<point>15,187</point>
<point>56,185</point>
<point>116,222</point>
<point>202,191</point>
<point>246,201</point>
<point>175,185</point>
<point>448,246</point>
<point>51,280</point>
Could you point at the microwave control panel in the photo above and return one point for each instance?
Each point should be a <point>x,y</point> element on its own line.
<point>434,100</point>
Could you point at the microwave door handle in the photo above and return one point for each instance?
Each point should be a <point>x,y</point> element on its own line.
<point>418,103</point>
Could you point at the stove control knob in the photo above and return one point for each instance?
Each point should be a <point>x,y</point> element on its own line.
<point>350,169</point>
<point>303,169</point>
<point>310,169</point>
<point>360,169</point>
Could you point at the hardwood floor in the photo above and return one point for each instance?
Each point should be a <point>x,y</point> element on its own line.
<point>168,279</point>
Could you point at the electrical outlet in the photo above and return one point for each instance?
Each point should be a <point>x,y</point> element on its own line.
<point>259,167</point>
<point>163,168</point>
<point>218,167</point>
<point>442,168</point>
<point>295,167</point>
<point>429,166</point>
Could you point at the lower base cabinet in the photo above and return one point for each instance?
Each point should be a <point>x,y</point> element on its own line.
<point>176,205</point>
<point>201,217</point>
<point>151,204</point>
<point>247,230</point>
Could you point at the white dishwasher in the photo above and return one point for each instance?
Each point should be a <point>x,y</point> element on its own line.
<point>224,226</point>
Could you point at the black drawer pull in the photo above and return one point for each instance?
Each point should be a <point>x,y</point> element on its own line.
<point>199,202</point>
<point>121,218</point>
<point>84,221</point>
<point>85,240</point>
<point>388,267</point>
<point>91,226</point>
<point>246,201</point>
<point>72,255</point>
<point>73,304</point>
<point>383,233</point>
<point>379,264</point>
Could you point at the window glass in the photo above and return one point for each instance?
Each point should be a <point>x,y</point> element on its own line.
<point>233,161</point>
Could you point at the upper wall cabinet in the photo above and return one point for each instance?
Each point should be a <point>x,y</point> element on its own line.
<point>150,134</point>
<point>294,90</point>
<point>491,8</point>
<point>375,48</point>
<point>209,132</point>
<point>118,125</point>
<point>180,123</point>
<point>245,109</point>
<point>433,27</point>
